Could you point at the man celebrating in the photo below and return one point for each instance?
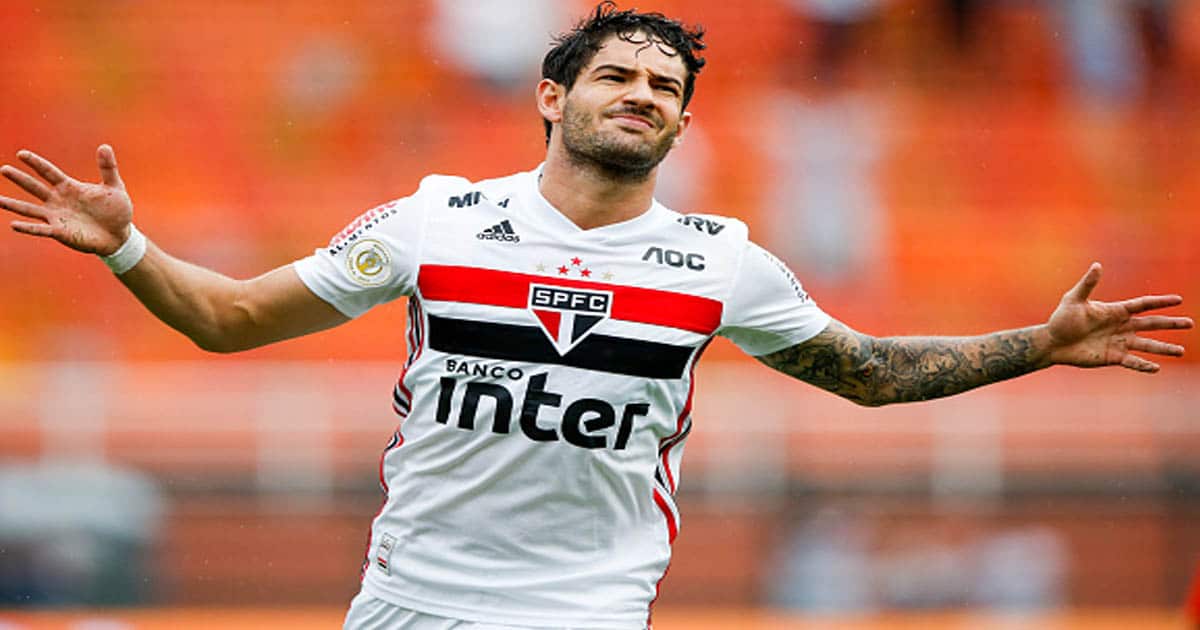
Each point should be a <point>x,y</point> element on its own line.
<point>548,387</point>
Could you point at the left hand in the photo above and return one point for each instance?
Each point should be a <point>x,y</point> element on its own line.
<point>1088,333</point>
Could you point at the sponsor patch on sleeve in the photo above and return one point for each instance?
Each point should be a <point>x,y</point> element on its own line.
<point>361,225</point>
<point>369,263</point>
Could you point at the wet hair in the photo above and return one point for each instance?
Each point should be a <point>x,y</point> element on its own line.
<point>575,49</point>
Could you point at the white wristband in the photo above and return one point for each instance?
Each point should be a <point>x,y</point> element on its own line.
<point>129,254</point>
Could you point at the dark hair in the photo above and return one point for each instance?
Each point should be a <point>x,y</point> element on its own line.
<point>574,50</point>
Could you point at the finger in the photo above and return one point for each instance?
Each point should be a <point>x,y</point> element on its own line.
<point>1154,346</point>
<point>23,208</point>
<point>26,182</point>
<point>33,229</point>
<point>107,159</point>
<point>44,167</point>
<point>1137,363</point>
<point>1083,288</point>
<point>1160,322</point>
<point>1149,302</point>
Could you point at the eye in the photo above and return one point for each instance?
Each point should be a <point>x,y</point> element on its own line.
<point>669,89</point>
<point>613,77</point>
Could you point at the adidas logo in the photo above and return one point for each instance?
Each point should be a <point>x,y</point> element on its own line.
<point>502,231</point>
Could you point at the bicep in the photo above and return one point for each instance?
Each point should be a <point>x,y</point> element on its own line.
<point>838,359</point>
<point>278,305</point>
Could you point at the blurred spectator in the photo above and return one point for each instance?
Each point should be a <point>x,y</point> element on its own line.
<point>1022,569</point>
<point>825,566</point>
<point>836,23</point>
<point>1156,19</point>
<point>1115,50</point>
<point>321,76</point>
<point>500,43</point>
<point>960,19</point>
<point>835,563</point>
<point>1102,48</point>
<point>926,571</point>
<point>1119,50</point>
<point>75,533</point>
<point>1019,569</point>
<point>827,139</point>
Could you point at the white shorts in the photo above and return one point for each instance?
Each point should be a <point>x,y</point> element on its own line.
<point>370,613</point>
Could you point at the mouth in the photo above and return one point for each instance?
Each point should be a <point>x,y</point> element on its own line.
<point>631,120</point>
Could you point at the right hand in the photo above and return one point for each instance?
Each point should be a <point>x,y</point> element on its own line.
<point>91,218</point>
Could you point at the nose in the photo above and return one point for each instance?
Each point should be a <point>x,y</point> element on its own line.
<point>640,93</point>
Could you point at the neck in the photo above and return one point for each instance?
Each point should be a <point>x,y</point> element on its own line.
<point>592,196</point>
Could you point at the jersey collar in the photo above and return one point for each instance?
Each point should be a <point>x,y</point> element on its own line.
<point>553,218</point>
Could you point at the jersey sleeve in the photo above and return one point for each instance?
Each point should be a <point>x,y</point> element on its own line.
<point>372,261</point>
<point>768,310</point>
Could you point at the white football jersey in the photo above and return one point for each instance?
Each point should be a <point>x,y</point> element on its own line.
<point>547,393</point>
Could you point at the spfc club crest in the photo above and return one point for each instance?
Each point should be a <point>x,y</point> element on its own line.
<point>567,315</point>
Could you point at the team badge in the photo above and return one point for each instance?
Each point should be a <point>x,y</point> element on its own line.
<point>369,263</point>
<point>567,315</point>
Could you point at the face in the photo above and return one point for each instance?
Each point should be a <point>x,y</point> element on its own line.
<point>624,112</point>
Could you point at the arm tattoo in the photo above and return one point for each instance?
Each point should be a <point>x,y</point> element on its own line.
<point>876,371</point>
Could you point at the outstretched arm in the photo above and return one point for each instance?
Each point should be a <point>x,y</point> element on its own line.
<point>217,312</point>
<point>1081,332</point>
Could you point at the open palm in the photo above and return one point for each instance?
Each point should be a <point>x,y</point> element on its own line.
<point>1089,333</point>
<point>92,218</point>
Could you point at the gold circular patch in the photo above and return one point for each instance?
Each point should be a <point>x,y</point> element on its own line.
<point>369,263</point>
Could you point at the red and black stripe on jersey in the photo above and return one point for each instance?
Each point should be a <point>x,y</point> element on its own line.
<point>599,352</point>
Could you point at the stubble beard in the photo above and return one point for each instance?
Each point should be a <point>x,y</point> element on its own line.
<point>625,159</point>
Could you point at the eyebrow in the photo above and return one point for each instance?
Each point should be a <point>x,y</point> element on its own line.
<point>626,70</point>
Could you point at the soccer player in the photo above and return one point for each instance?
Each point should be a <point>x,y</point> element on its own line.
<point>555,317</point>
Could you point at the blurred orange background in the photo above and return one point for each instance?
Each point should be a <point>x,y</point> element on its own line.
<point>926,167</point>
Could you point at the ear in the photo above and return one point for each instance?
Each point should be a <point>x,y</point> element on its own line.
<point>684,121</point>
<point>550,100</point>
